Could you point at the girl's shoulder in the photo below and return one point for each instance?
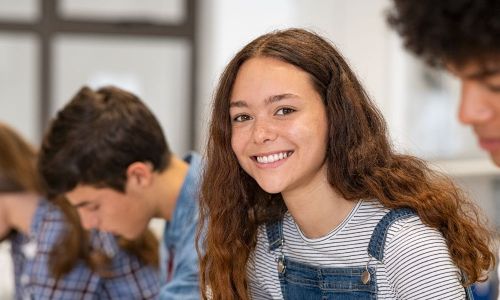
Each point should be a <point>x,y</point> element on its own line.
<point>416,252</point>
<point>411,233</point>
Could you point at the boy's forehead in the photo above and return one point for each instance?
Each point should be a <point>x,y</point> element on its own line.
<point>475,69</point>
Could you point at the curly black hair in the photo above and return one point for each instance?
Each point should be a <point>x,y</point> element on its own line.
<point>448,31</point>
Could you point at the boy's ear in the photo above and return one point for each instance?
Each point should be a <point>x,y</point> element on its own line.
<point>139,174</point>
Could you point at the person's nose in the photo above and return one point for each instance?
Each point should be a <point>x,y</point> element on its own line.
<point>474,105</point>
<point>263,131</point>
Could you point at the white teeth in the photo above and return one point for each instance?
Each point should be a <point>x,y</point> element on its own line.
<point>272,158</point>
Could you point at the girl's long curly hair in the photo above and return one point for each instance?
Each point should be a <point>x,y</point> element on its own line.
<point>360,161</point>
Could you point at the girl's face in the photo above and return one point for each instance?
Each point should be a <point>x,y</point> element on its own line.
<point>279,126</point>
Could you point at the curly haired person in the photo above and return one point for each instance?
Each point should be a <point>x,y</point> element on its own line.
<point>463,37</point>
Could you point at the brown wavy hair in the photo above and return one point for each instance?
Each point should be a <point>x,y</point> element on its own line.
<point>360,162</point>
<point>18,173</point>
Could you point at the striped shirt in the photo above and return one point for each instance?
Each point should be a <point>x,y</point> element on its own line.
<point>416,264</point>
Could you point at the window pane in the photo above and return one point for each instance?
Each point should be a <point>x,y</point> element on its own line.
<point>18,84</point>
<point>161,11</point>
<point>426,123</point>
<point>19,10</point>
<point>156,70</point>
<point>434,131</point>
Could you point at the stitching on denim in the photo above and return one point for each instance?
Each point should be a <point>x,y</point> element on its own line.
<point>378,239</point>
<point>274,234</point>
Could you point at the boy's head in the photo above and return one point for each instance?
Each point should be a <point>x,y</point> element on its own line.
<point>99,151</point>
<point>462,36</point>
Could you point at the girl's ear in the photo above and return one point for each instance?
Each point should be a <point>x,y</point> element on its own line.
<point>139,175</point>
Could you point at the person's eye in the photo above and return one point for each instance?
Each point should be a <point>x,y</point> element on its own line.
<point>93,207</point>
<point>241,118</point>
<point>493,88</point>
<point>284,111</point>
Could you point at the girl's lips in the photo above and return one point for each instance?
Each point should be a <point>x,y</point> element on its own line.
<point>272,160</point>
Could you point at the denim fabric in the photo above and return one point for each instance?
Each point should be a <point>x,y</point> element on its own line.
<point>179,266</point>
<point>302,281</point>
<point>377,241</point>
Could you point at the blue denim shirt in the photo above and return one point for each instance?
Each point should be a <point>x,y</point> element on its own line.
<point>179,258</point>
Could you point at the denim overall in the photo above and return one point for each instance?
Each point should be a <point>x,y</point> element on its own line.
<point>302,281</point>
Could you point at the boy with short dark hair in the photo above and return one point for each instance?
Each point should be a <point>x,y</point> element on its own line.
<point>106,153</point>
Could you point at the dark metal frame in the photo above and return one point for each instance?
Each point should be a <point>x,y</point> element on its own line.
<point>50,23</point>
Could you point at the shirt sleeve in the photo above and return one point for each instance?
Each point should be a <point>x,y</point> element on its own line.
<point>418,263</point>
<point>183,274</point>
<point>130,277</point>
<point>31,254</point>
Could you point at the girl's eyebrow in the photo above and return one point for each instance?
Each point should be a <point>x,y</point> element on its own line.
<point>280,97</point>
<point>271,99</point>
<point>238,103</point>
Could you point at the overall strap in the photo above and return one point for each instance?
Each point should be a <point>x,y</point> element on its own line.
<point>377,241</point>
<point>274,232</point>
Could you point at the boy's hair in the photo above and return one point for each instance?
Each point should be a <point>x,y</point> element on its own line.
<point>449,31</point>
<point>94,139</point>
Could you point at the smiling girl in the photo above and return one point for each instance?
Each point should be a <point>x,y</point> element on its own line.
<point>304,198</point>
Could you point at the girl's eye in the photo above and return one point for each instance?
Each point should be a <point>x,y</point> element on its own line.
<point>493,88</point>
<point>284,111</point>
<point>241,118</point>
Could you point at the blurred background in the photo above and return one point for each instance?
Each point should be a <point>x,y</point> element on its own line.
<point>171,53</point>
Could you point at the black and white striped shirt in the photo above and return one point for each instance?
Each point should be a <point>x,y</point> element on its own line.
<point>416,263</point>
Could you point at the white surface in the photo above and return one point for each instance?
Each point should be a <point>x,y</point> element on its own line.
<point>164,11</point>
<point>468,167</point>
<point>18,83</point>
<point>6,272</point>
<point>25,10</point>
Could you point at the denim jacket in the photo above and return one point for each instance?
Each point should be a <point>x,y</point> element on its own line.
<point>179,265</point>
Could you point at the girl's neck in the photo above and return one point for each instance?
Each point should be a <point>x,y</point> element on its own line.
<point>318,208</point>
